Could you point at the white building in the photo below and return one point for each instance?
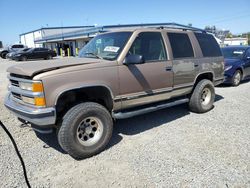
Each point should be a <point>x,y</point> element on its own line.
<point>53,38</point>
<point>235,41</point>
<point>68,40</point>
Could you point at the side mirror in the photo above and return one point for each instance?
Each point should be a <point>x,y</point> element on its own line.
<point>134,59</point>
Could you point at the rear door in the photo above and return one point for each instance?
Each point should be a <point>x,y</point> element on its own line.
<point>184,61</point>
<point>151,81</point>
<point>39,53</point>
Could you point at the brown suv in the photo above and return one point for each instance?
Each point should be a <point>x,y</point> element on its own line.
<point>117,75</point>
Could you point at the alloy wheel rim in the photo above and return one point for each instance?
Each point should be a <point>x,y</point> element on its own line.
<point>237,78</point>
<point>89,131</point>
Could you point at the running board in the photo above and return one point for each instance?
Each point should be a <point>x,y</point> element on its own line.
<point>123,115</point>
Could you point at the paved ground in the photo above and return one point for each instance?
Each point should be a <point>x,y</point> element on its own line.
<point>168,148</point>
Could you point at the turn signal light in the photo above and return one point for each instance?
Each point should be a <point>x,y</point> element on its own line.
<point>37,87</point>
<point>40,101</point>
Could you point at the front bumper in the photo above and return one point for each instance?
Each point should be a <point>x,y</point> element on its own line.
<point>42,117</point>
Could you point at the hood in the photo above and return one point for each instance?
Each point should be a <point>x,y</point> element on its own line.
<point>232,61</point>
<point>33,68</point>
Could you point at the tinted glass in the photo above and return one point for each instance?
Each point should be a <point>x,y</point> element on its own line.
<point>150,45</point>
<point>233,52</point>
<point>43,49</point>
<point>17,46</point>
<point>208,44</point>
<point>181,45</point>
<point>36,49</point>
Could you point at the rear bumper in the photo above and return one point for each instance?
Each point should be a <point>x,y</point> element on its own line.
<point>42,117</point>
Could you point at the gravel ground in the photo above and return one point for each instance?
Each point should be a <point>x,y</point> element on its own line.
<point>168,148</point>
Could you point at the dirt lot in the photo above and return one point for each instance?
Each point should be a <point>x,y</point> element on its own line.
<point>168,148</point>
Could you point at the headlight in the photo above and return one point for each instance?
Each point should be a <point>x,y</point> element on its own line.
<point>37,101</point>
<point>228,68</point>
<point>35,87</point>
<point>26,86</point>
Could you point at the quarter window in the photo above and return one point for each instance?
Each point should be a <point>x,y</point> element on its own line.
<point>181,45</point>
<point>208,44</point>
<point>150,45</point>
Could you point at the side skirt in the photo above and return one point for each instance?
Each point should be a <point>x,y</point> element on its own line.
<point>136,112</point>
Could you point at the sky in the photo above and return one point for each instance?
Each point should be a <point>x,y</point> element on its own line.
<point>19,16</point>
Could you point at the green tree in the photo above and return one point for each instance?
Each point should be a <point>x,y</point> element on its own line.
<point>229,35</point>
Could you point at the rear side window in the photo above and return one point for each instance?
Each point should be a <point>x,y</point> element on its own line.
<point>208,44</point>
<point>181,45</point>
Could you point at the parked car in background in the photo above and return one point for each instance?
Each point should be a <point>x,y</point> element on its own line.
<point>12,48</point>
<point>11,54</point>
<point>237,64</point>
<point>34,53</point>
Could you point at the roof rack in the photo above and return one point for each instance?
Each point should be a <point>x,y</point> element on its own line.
<point>174,25</point>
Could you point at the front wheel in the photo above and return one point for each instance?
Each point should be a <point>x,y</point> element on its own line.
<point>4,54</point>
<point>236,78</point>
<point>202,98</point>
<point>23,58</point>
<point>86,130</point>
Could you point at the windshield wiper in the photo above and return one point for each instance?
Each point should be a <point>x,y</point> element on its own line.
<point>91,53</point>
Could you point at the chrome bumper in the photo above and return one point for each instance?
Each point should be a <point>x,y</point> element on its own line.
<point>38,116</point>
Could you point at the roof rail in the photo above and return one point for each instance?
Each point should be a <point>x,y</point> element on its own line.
<point>174,25</point>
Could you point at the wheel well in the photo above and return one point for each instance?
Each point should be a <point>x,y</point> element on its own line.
<point>4,51</point>
<point>240,69</point>
<point>98,94</point>
<point>208,76</point>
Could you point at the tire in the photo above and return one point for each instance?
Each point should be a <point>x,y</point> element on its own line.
<point>3,54</point>
<point>202,98</point>
<point>236,78</point>
<point>86,130</point>
<point>23,58</point>
<point>49,57</point>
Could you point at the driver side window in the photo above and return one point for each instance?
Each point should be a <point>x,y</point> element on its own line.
<point>150,45</point>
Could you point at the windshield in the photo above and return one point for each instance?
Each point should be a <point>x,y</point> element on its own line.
<point>236,53</point>
<point>106,46</point>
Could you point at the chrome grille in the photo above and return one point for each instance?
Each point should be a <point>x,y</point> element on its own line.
<point>14,83</point>
<point>16,95</point>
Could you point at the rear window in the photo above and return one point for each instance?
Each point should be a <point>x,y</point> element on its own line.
<point>181,45</point>
<point>208,44</point>
<point>17,46</point>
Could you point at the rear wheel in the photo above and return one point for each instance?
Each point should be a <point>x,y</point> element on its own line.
<point>86,130</point>
<point>236,78</point>
<point>49,57</point>
<point>203,96</point>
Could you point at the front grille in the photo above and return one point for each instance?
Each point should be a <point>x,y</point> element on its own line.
<point>16,95</point>
<point>20,76</point>
<point>14,83</point>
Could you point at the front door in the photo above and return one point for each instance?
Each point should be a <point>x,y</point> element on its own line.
<point>151,81</point>
<point>246,64</point>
